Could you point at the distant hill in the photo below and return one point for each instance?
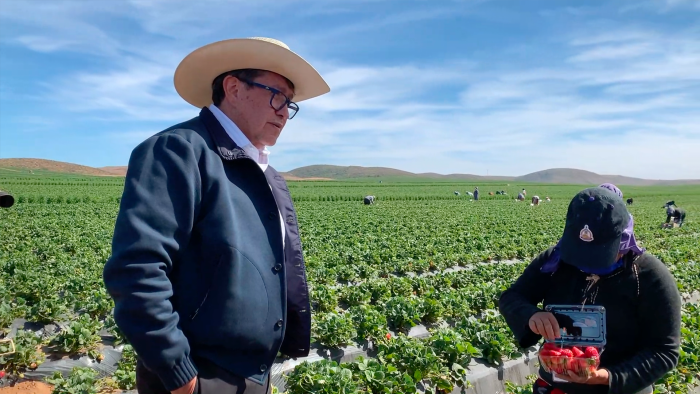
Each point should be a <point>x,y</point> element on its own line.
<point>116,170</point>
<point>340,172</point>
<point>554,175</point>
<point>571,175</point>
<point>30,165</point>
<point>330,172</point>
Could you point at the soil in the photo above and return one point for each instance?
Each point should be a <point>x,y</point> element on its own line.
<point>28,388</point>
<point>32,387</point>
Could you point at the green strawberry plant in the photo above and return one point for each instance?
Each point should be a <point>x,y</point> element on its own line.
<point>371,324</point>
<point>125,375</point>
<point>323,377</point>
<point>334,329</point>
<point>402,313</point>
<point>27,355</point>
<point>81,380</point>
<point>81,337</point>
<point>324,298</point>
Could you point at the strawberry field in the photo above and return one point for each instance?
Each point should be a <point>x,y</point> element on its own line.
<point>420,257</point>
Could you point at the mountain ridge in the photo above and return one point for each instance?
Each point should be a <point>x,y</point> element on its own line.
<point>552,175</point>
<point>333,172</point>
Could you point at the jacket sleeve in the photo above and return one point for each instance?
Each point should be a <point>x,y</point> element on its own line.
<point>519,302</point>
<point>659,310</point>
<point>155,221</point>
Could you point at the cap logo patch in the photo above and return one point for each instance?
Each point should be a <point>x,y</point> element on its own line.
<point>586,235</point>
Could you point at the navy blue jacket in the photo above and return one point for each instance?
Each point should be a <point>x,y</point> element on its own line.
<point>198,266</point>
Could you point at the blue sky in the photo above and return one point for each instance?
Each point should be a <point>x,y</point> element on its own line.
<point>504,87</point>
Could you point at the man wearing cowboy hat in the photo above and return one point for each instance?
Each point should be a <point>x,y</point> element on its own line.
<point>207,273</point>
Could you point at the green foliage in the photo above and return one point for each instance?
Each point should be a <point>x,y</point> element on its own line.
<point>125,375</point>
<point>334,329</point>
<point>81,336</point>
<point>372,270</point>
<point>323,377</point>
<point>27,353</point>
<point>82,380</point>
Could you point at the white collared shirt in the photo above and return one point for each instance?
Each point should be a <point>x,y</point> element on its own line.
<point>259,156</point>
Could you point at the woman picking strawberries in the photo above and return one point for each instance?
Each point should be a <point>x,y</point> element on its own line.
<point>597,262</point>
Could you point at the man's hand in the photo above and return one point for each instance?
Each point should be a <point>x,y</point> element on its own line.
<point>545,324</point>
<point>601,376</point>
<point>187,388</point>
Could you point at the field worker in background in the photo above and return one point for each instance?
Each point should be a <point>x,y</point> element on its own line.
<point>369,200</point>
<point>524,192</point>
<point>476,193</point>
<point>521,197</point>
<point>548,199</point>
<point>535,200</point>
<point>206,271</point>
<point>598,262</point>
<point>676,213</point>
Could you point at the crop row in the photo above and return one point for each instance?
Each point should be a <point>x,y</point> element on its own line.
<point>438,362</point>
<point>373,270</point>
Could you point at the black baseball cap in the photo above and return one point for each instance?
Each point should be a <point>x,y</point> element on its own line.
<point>594,224</point>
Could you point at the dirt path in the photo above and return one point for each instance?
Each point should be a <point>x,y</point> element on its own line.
<point>27,388</point>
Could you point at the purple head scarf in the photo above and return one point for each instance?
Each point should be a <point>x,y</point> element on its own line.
<point>612,188</point>
<point>627,243</point>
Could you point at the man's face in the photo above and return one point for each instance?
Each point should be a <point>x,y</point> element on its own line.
<point>258,120</point>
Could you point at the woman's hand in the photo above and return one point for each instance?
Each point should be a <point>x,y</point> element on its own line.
<point>601,376</point>
<point>545,324</point>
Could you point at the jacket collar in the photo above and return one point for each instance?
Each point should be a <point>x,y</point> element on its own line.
<point>227,149</point>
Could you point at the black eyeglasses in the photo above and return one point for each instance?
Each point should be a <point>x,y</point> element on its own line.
<point>278,100</point>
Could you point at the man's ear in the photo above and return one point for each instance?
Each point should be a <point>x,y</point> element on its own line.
<point>232,87</point>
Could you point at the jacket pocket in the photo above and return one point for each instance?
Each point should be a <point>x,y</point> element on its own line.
<point>234,309</point>
<point>210,284</point>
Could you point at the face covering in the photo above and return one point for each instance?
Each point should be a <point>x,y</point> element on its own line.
<point>605,271</point>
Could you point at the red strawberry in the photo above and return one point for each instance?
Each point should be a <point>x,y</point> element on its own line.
<point>388,336</point>
<point>591,352</point>
<point>2,374</point>
<point>577,352</point>
<point>567,353</point>
<point>567,356</point>
<point>555,353</point>
<point>579,365</point>
<point>549,346</point>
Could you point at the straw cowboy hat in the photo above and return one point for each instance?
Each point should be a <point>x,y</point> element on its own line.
<point>196,72</point>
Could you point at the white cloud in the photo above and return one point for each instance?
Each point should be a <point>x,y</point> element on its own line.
<point>614,52</point>
<point>610,101</point>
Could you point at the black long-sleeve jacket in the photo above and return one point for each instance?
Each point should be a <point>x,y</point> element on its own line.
<point>643,312</point>
<point>678,213</point>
